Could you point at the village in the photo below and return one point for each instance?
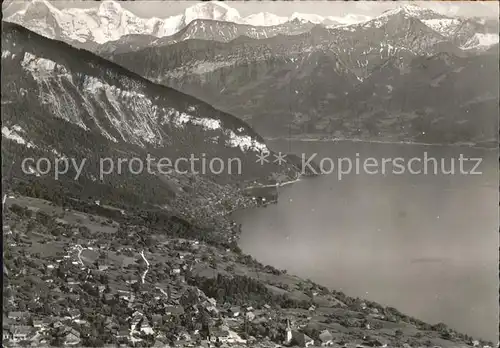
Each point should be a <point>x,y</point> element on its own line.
<point>74,279</point>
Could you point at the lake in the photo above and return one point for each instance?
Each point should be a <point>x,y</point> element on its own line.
<point>424,244</point>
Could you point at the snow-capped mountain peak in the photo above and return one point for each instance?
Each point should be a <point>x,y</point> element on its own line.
<point>264,19</point>
<point>307,17</point>
<point>109,8</point>
<point>481,41</point>
<point>110,21</point>
<point>413,11</point>
<point>38,8</point>
<point>405,12</point>
<point>214,10</point>
<point>349,18</point>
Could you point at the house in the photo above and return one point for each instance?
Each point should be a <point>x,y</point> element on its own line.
<point>18,316</point>
<point>81,322</point>
<point>184,336</point>
<point>123,333</point>
<point>57,324</point>
<point>249,316</point>
<point>6,333</point>
<point>301,339</point>
<point>174,310</point>
<point>325,338</point>
<point>234,311</point>
<point>74,313</point>
<point>21,333</point>
<point>136,313</point>
<point>235,338</point>
<point>135,322</point>
<point>221,335</point>
<point>110,325</point>
<point>39,323</point>
<point>71,337</point>
<point>145,327</point>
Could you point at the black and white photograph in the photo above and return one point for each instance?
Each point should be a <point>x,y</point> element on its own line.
<point>250,174</point>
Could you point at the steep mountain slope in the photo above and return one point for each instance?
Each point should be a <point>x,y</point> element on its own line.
<point>129,279</point>
<point>53,70</point>
<point>437,99</point>
<point>267,82</point>
<point>242,72</point>
<point>60,102</point>
<point>468,33</point>
<point>397,34</point>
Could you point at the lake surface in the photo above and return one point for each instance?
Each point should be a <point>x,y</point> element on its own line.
<point>425,244</point>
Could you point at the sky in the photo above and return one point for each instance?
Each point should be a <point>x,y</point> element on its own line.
<point>164,9</point>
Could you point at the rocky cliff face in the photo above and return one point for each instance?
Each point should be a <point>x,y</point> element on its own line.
<point>62,102</point>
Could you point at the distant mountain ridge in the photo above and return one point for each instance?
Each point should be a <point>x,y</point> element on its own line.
<point>109,28</point>
<point>204,29</point>
<point>269,75</point>
<point>309,83</point>
<point>110,22</point>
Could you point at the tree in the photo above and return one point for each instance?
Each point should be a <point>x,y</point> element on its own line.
<point>136,287</point>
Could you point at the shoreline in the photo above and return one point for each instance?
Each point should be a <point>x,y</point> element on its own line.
<point>368,141</point>
<point>299,178</point>
<point>277,185</point>
<point>232,218</point>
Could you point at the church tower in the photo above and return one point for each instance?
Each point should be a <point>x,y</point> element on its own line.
<point>288,339</point>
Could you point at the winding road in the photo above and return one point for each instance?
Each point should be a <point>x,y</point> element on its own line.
<point>147,268</point>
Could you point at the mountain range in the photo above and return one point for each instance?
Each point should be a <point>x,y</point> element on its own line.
<point>109,21</point>
<point>303,75</point>
<point>322,81</point>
